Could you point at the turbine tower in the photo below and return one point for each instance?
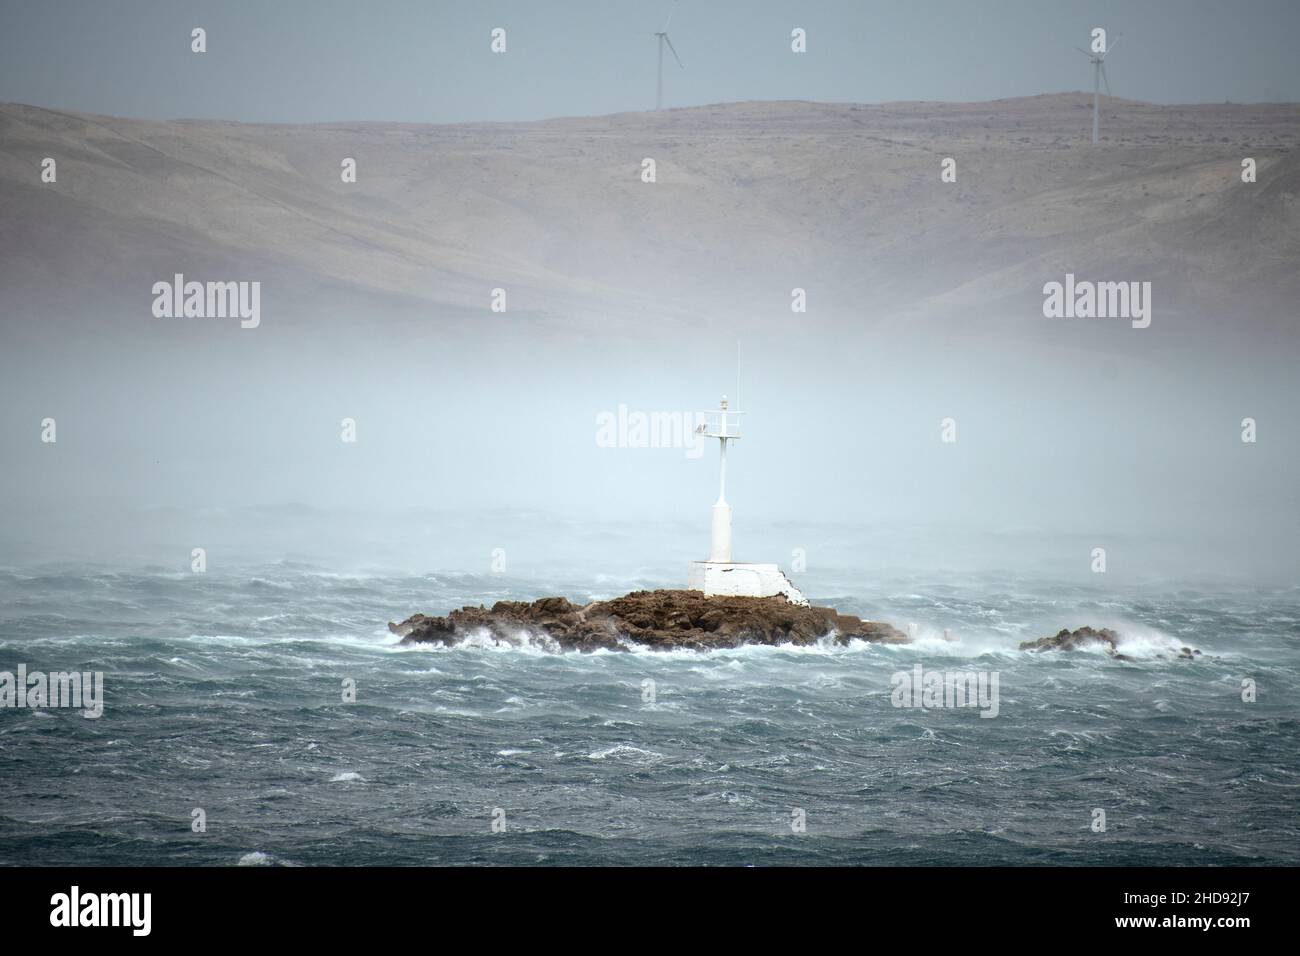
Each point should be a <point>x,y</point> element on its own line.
<point>1098,77</point>
<point>664,38</point>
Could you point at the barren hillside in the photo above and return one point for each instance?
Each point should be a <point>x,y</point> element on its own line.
<point>752,199</point>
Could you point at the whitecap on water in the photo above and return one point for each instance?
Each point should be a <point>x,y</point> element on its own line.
<point>620,751</point>
<point>258,858</point>
<point>524,642</point>
<point>350,776</point>
<point>1136,640</point>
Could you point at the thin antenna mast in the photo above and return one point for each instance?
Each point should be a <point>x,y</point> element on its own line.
<point>738,405</point>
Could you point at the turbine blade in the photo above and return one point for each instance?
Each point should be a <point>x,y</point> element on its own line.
<point>1104,80</point>
<point>674,49</point>
<point>1112,46</point>
<point>1090,56</point>
<point>670,17</point>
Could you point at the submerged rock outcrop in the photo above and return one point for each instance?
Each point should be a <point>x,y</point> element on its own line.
<point>1067,640</point>
<point>664,619</point>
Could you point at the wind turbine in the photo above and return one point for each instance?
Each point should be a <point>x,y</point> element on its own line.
<point>664,38</point>
<point>1098,77</point>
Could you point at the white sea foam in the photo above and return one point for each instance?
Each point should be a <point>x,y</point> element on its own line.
<point>625,752</point>
<point>523,642</point>
<point>1143,642</point>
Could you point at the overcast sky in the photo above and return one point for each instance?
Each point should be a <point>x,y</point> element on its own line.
<point>429,60</point>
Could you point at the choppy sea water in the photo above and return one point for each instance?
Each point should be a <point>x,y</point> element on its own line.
<point>224,692</point>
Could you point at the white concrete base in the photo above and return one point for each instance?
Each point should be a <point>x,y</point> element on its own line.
<point>733,579</point>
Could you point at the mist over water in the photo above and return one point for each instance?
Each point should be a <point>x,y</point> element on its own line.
<point>474,439</point>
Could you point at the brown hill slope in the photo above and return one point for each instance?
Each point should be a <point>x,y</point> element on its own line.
<point>752,199</point>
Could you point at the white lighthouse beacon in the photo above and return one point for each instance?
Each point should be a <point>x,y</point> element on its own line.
<point>725,427</point>
<point>719,575</point>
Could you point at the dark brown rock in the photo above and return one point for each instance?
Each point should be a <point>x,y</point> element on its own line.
<point>658,619</point>
<point>1067,640</point>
